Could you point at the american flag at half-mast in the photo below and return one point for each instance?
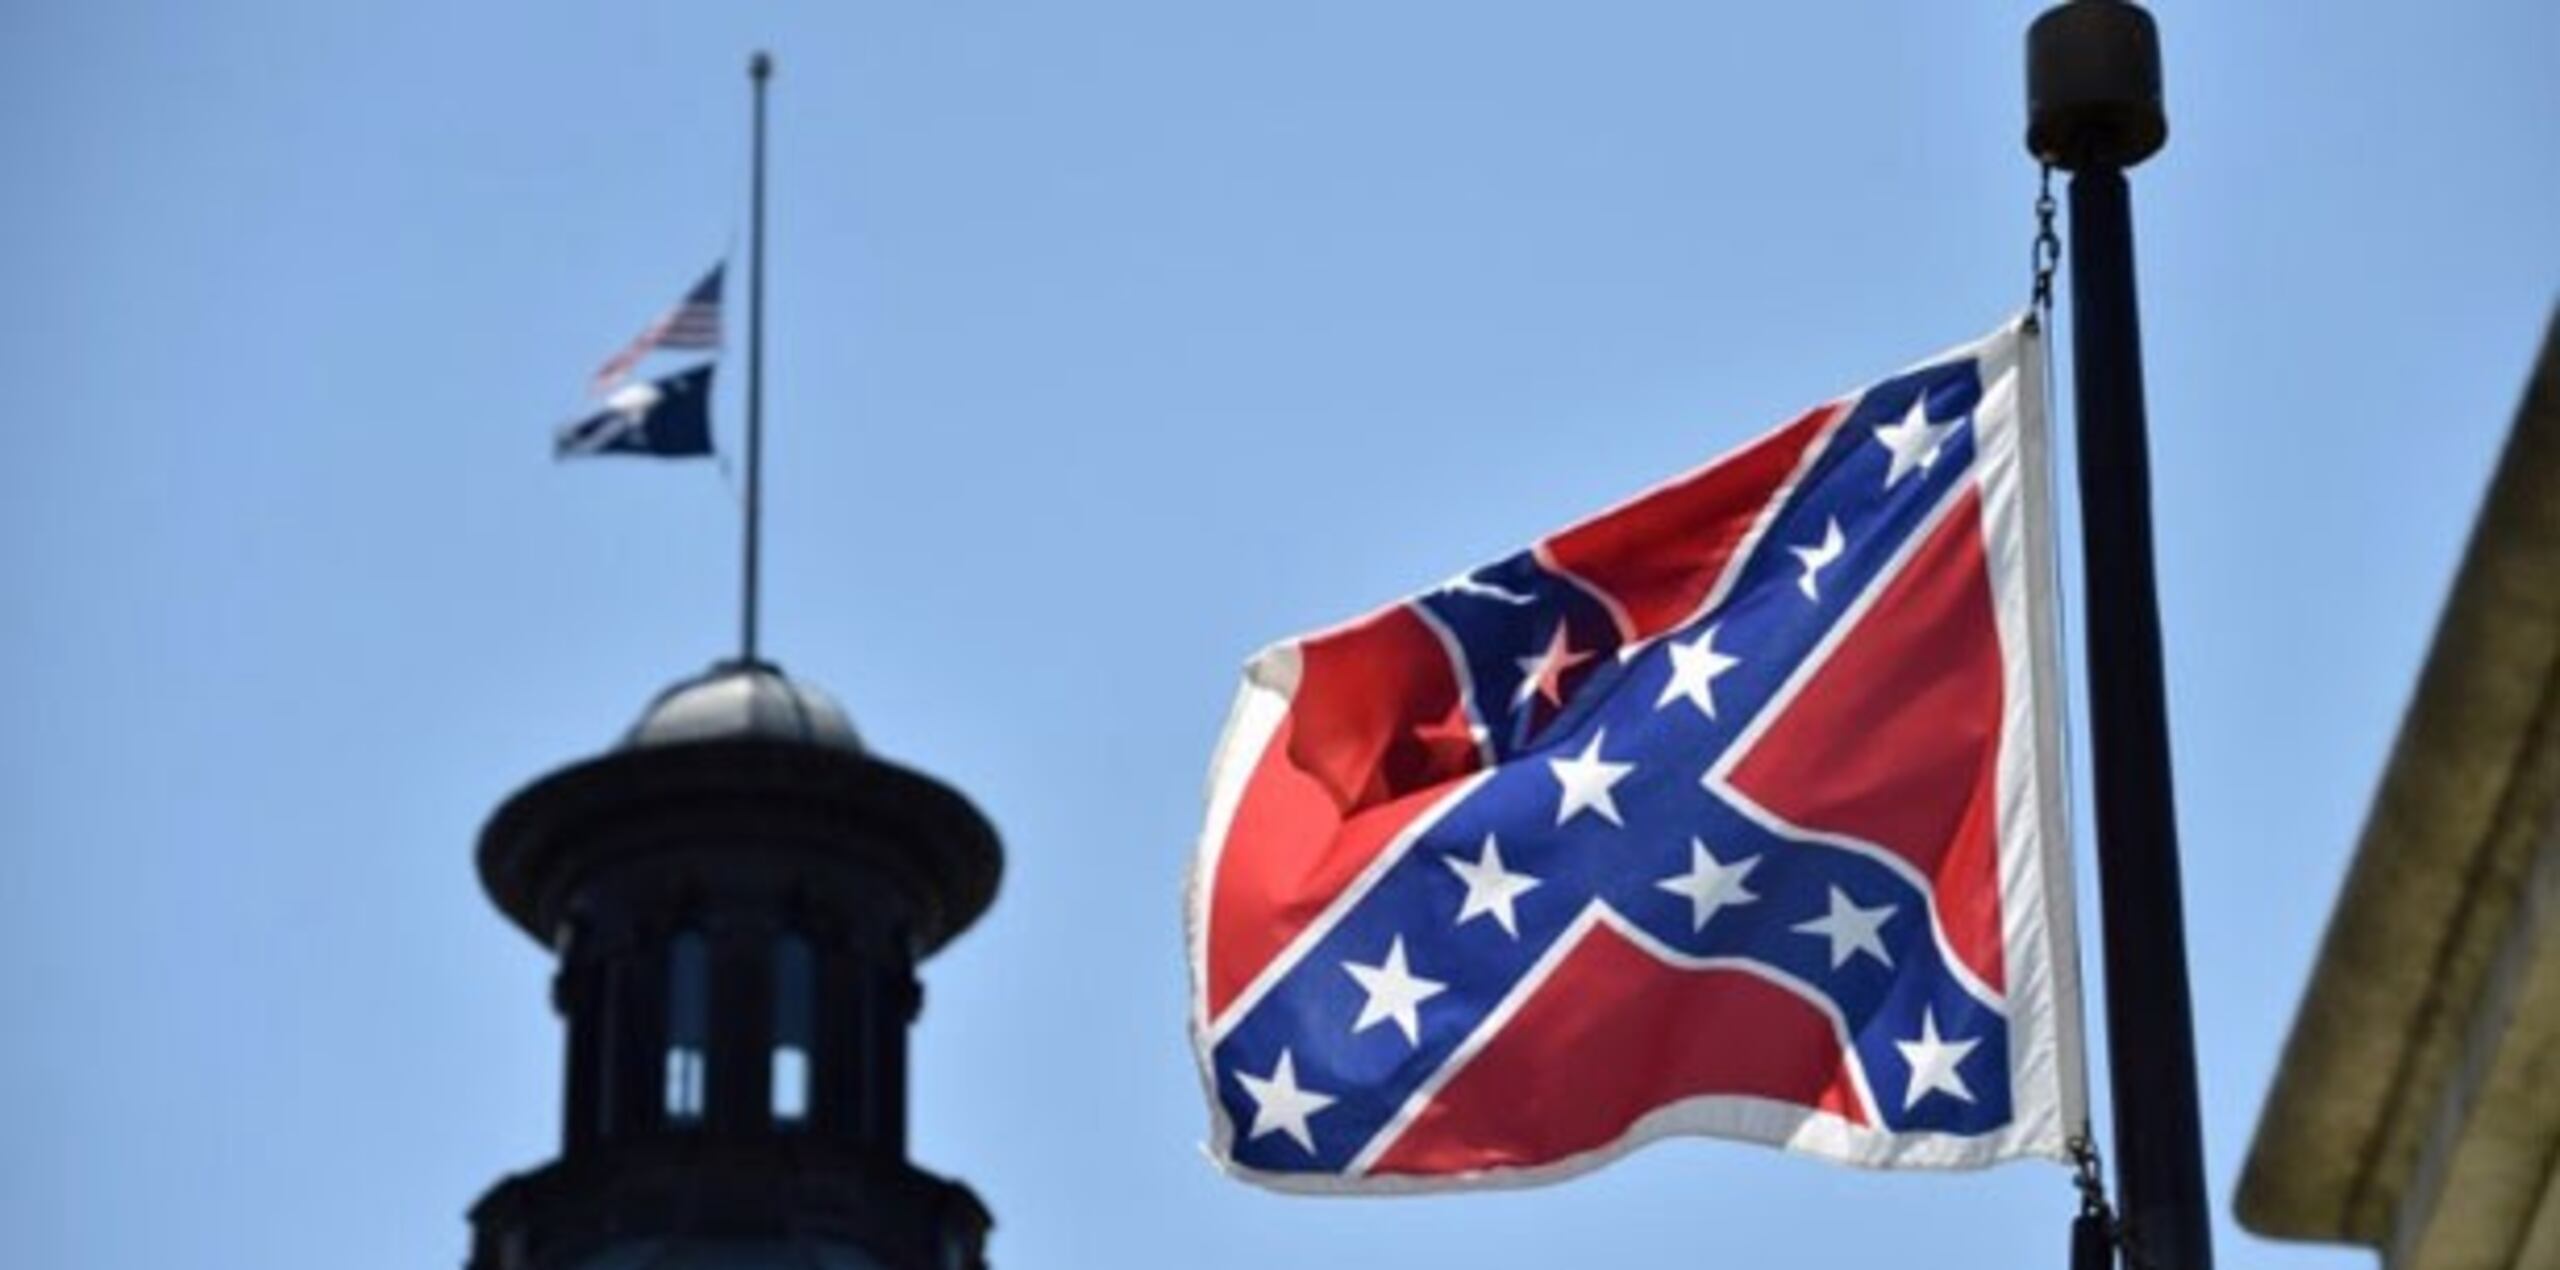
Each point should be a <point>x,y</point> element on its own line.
<point>693,323</point>
<point>1735,810</point>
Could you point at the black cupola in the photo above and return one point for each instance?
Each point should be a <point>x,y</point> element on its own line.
<point>738,895</point>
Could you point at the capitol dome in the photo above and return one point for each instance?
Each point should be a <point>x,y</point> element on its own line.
<point>743,701</point>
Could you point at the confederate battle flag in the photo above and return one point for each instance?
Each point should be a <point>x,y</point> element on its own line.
<point>1733,810</point>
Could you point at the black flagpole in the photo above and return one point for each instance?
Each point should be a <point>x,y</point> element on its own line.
<point>759,71</point>
<point>2094,110</point>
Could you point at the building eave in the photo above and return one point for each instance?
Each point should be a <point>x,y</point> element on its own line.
<point>2417,1106</point>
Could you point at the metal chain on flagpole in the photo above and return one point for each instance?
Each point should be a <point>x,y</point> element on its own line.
<point>2098,1230</point>
<point>2046,256</point>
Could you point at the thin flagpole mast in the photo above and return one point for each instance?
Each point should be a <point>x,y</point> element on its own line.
<point>2094,110</point>
<point>760,72</point>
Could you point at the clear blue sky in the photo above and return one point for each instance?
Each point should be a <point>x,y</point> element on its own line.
<point>1110,341</point>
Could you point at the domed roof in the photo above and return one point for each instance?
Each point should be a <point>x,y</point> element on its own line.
<point>743,701</point>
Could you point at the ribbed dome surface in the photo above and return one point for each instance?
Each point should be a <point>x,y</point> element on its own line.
<point>743,701</point>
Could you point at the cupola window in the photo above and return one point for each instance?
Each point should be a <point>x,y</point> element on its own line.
<point>688,1024</point>
<point>795,974</point>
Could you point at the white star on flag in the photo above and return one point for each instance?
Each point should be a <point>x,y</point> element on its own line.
<point>1710,884</point>
<point>1585,781</point>
<point>1279,1105</point>
<point>1933,1063</point>
<point>1543,674</point>
<point>1851,929</point>
<point>1819,557</point>
<point>1490,887</point>
<point>1694,668</point>
<point>1914,441</point>
<point>1395,992</point>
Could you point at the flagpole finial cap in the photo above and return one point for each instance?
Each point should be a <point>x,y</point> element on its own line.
<point>2093,86</point>
<point>760,66</point>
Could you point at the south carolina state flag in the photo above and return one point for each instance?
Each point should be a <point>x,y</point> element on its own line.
<point>1734,810</point>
